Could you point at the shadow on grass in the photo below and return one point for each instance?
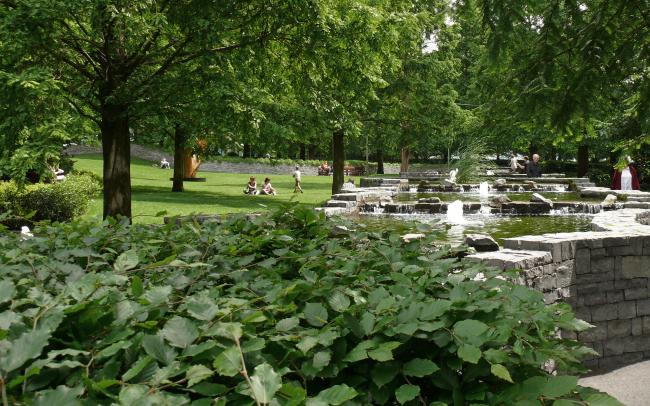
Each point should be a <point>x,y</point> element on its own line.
<point>156,194</point>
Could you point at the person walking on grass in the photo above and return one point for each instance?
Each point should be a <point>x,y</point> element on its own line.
<point>297,176</point>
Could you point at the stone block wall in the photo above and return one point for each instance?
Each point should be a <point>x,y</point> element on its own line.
<point>154,155</point>
<point>604,276</point>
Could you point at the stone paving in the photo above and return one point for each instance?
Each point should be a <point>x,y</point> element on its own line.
<point>630,384</point>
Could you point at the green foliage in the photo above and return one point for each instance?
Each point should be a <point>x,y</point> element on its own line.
<point>471,163</point>
<point>269,310</point>
<point>58,201</point>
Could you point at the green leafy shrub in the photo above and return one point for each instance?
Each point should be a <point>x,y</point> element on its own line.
<point>58,201</point>
<point>269,310</point>
<point>83,172</point>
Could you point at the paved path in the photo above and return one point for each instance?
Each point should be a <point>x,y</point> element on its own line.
<point>630,384</point>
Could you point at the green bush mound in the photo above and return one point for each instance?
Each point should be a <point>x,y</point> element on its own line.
<point>58,201</point>
<point>270,310</point>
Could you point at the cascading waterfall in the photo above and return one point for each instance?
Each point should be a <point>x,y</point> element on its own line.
<point>483,189</point>
<point>455,213</point>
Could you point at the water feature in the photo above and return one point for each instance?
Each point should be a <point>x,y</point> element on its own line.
<point>455,213</point>
<point>460,213</point>
<point>498,226</point>
<point>484,189</point>
<point>452,175</point>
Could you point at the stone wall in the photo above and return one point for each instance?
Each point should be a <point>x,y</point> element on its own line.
<point>604,276</point>
<point>154,155</point>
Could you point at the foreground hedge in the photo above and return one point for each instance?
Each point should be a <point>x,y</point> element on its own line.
<point>58,201</point>
<point>269,310</point>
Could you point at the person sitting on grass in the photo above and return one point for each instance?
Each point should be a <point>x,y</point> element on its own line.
<point>164,164</point>
<point>251,187</point>
<point>267,189</point>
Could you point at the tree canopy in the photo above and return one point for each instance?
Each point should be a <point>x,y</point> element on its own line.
<point>319,78</point>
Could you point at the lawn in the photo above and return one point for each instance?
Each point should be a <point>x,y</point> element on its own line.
<point>222,193</point>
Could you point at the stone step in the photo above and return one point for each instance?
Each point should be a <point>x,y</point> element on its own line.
<point>513,259</point>
<point>360,196</point>
<point>636,205</point>
<point>340,203</point>
<point>633,198</point>
<point>332,211</point>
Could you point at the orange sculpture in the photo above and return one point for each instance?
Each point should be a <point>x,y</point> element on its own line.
<point>191,162</point>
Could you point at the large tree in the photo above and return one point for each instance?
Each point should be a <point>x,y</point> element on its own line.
<point>110,55</point>
<point>353,49</point>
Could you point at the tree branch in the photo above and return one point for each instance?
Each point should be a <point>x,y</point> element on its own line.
<point>81,112</point>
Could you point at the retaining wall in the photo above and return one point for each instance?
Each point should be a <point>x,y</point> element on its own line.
<point>154,155</point>
<point>603,275</point>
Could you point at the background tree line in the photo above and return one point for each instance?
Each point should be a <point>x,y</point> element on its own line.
<point>382,79</point>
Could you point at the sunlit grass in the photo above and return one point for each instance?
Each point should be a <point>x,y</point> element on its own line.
<point>221,193</point>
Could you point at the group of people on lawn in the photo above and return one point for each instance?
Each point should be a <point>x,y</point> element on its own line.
<point>268,189</point>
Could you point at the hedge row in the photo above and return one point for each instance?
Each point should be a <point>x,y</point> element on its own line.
<point>58,201</point>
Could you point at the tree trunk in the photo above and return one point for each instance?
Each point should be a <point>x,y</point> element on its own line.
<point>312,150</point>
<point>116,153</point>
<point>303,152</point>
<point>179,159</point>
<point>406,156</point>
<point>338,155</point>
<point>583,160</point>
<point>247,150</point>
<point>380,160</point>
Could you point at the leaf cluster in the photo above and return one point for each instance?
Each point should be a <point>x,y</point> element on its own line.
<point>269,310</point>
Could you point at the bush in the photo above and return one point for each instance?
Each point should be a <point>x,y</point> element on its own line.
<point>270,310</point>
<point>59,201</point>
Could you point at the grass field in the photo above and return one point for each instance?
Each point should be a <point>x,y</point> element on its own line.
<point>222,193</point>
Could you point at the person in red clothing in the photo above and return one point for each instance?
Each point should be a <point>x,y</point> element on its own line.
<point>625,176</point>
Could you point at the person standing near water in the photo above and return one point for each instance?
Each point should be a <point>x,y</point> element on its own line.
<point>297,176</point>
<point>625,176</point>
<point>533,170</point>
<point>514,163</point>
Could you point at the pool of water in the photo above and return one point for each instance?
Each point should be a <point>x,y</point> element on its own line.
<point>498,226</point>
<point>475,197</point>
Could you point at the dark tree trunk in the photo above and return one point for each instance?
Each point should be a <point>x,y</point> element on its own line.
<point>583,160</point>
<point>179,159</point>
<point>303,152</point>
<point>338,155</point>
<point>247,150</point>
<point>117,160</point>
<point>405,158</point>
<point>312,151</point>
<point>380,160</point>
<point>613,159</point>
